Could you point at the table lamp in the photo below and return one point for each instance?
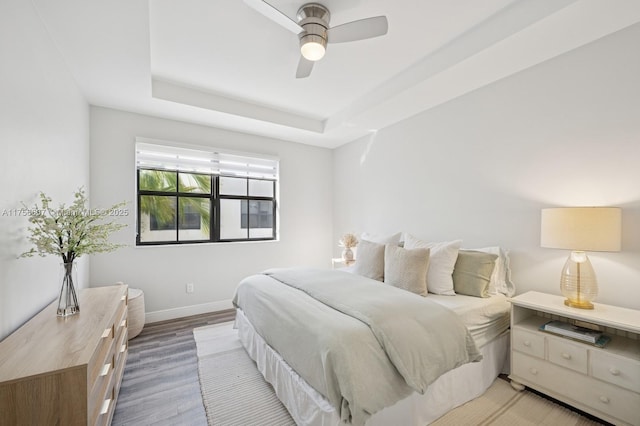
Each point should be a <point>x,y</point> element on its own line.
<point>581,229</point>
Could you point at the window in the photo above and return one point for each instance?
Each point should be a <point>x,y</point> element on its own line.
<point>187,195</point>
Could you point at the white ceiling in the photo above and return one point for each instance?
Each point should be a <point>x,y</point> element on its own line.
<point>220,63</point>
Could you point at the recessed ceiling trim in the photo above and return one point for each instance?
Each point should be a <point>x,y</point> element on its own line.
<point>112,67</point>
<point>502,25</point>
<point>167,91</point>
<point>503,59</point>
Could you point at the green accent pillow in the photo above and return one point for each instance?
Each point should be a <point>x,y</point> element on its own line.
<point>472,273</point>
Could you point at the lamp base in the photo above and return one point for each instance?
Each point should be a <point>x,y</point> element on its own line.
<point>578,281</point>
<point>579,304</point>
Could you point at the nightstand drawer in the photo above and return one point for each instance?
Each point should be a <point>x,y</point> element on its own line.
<point>528,342</point>
<point>620,371</point>
<point>533,370</point>
<point>611,400</point>
<point>568,354</point>
<point>577,389</point>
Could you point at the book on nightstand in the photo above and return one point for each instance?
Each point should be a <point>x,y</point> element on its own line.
<point>561,328</point>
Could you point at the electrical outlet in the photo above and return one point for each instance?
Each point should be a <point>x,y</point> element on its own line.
<point>189,287</point>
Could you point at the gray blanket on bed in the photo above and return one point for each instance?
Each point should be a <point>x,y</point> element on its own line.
<point>362,344</point>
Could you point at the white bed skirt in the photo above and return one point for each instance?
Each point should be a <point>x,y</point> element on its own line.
<point>309,408</point>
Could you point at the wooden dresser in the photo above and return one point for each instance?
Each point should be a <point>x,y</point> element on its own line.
<point>66,371</point>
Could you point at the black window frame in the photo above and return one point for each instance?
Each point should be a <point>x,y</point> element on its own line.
<point>214,198</point>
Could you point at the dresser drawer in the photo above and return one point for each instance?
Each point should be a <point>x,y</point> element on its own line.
<point>101,388</point>
<point>101,355</point>
<point>528,342</point>
<point>620,371</point>
<point>121,324</point>
<point>568,354</point>
<point>107,406</point>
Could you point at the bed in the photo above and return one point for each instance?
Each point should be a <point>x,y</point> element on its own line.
<point>341,348</point>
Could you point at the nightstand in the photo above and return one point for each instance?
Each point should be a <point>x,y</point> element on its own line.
<point>604,382</point>
<point>338,262</point>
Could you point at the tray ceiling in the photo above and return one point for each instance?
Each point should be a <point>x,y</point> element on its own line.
<point>222,64</point>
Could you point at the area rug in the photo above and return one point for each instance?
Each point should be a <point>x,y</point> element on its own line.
<point>233,390</point>
<point>235,393</point>
<point>502,405</point>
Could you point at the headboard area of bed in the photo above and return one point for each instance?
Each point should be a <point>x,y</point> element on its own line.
<point>450,268</point>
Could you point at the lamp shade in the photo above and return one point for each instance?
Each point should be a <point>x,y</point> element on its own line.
<point>582,228</point>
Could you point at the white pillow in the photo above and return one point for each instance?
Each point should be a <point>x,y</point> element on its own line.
<point>382,239</point>
<point>501,276</point>
<point>406,269</point>
<point>442,260</point>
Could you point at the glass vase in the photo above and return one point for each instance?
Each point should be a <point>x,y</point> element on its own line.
<point>347,256</point>
<point>68,300</point>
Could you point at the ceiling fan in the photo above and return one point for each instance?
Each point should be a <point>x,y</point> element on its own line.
<point>314,32</point>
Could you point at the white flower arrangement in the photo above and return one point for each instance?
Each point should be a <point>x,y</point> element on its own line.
<point>70,232</point>
<point>348,241</point>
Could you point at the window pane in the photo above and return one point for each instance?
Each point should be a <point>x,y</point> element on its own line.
<point>233,186</point>
<point>260,219</point>
<point>197,183</point>
<point>195,215</point>
<point>157,180</point>
<point>261,188</point>
<point>157,218</point>
<point>232,219</point>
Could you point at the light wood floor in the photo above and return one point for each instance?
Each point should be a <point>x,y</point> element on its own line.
<point>160,384</point>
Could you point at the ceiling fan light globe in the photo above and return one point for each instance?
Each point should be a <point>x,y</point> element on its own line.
<point>312,51</point>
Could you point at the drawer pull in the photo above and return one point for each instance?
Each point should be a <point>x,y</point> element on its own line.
<point>105,406</point>
<point>614,371</point>
<point>123,323</point>
<point>533,371</point>
<point>106,332</point>
<point>604,399</point>
<point>123,348</point>
<point>566,355</point>
<point>105,369</point>
<point>527,343</point>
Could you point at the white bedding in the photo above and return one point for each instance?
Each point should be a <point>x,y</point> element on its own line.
<point>485,318</point>
<point>309,408</point>
<point>346,334</point>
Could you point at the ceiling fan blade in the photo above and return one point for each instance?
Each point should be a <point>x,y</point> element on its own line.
<point>358,30</point>
<point>275,15</point>
<point>304,67</point>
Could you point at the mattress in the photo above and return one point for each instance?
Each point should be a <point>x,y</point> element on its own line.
<point>485,317</point>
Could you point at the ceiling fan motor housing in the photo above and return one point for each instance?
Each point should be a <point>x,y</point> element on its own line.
<point>314,19</point>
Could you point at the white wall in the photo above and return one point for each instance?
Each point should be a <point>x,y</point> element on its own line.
<point>215,269</point>
<point>480,168</point>
<point>44,146</point>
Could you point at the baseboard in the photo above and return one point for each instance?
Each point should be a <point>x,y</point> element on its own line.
<point>187,311</point>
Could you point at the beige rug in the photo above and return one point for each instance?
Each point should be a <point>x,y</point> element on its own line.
<point>235,393</point>
<point>233,390</point>
<point>502,405</point>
